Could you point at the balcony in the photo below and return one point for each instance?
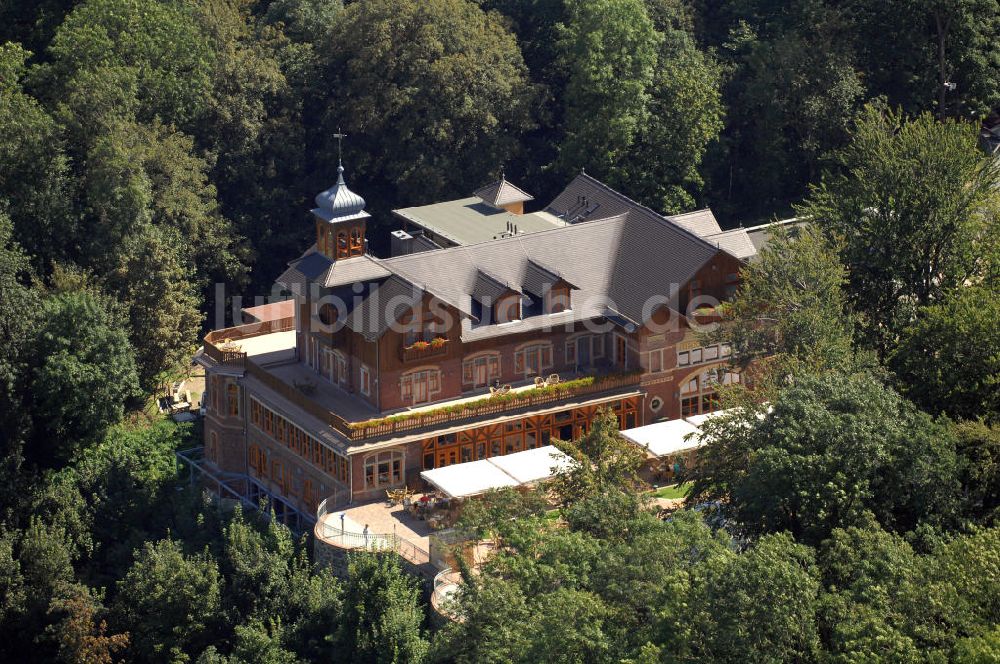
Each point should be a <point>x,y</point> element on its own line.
<point>266,352</point>
<point>523,398</point>
<point>423,350</point>
<point>232,345</point>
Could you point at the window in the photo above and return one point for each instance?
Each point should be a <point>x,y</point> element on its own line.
<point>424,326</point>
<point>696,356</point>
<point>711,353</point>
<point>508,308</point>
<point>481,370</point>
<point>297,440</point>
<point>383,469</point>
<point>557,299</point>
<point>655,362</point>
<point>582,350</point>
<point>725,350</point>
<point>700,394</point>
<point>366,381</point>
<point>533,359</point>
<point>683,358</point>
<point>420,386</point>
<point>258,461</point>
<point>655,404</point>
<point>341,368</point>
<point>233,397</point>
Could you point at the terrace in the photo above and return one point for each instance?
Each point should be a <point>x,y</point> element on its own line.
<point>266,351</point>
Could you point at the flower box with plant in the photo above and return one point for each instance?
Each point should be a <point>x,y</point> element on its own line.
<point>438,342</point>
<point>418,345</point>
<point>565,388</point>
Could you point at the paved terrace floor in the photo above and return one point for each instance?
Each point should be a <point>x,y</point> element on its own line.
<point>382,519</point>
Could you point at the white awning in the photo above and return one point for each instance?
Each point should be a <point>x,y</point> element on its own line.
<point>699,420</point>
<point>533,465</point>
<point>662,438</point>
<point>472,478</point>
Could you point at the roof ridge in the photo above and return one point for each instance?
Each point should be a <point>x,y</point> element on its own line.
<point>657,215</point>
<point>498,241</point>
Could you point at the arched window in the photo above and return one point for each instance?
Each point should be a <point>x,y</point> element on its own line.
<point>533,359</point>
<point>699,393</point>
<point>481,370</point>
<point>356,243</point>
<point>384,469</point>
<point>420,386</point>
<point>342,250</point>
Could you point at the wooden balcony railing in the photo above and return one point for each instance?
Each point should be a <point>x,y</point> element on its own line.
<point>221,346</point>
<point>510,403</point>
<point>293,394</point>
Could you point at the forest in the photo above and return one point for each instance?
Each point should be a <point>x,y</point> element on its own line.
<point>847,511</point>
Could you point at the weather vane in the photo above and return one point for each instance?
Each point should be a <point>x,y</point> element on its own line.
<point>340,140</point>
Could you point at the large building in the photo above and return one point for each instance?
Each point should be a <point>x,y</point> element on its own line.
<point>495,343</point>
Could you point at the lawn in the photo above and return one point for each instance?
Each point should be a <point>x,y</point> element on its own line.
<point>672,491</point>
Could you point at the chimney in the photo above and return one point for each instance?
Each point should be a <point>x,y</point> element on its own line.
<point>401,243</point>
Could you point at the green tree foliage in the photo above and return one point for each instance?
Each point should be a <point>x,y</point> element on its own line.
<point>978,446</point>
<point>81,632</point>
<point>381,620</point>
<point>608,49</point>
<point>913,208</point>
<point>603,461</point>
<point>163,308</point>
<point>34,188</point>
<point>18,302</point>
<point>160,43</point>
<point>791,94</point>
<point>935,42</point>
<point>433,92</point>
<point>82,373</point>
<point>790,307</point>
<point>760,606</point>
<point>833,449</point>
<point>169,602</point>
<point>640,103</point>
<point>948,359</point>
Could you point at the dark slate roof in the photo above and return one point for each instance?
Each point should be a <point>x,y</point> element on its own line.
<point>314,267</point>
<point>501,193</point>
<point>539,278</point>
<point>489,287</point>
<point>616,264</point>
<point>384,304</point>
<point>588,199</point>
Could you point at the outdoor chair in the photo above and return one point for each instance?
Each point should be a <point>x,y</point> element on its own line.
<point>539,381</point>
<point>553,379</point>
